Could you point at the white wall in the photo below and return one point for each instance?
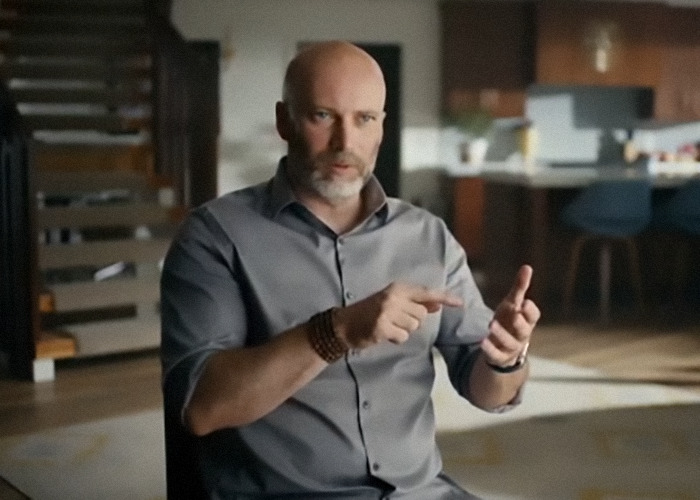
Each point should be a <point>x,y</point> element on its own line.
<point>263,35</point>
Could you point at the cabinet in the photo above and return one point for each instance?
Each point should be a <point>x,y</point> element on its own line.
<point>626,44</point>
<point>487,55</point>
<point>677,95</point>
<point>492,51</point>
<point>468,214</point>
<point>487,63</point>
<point>599,43</point>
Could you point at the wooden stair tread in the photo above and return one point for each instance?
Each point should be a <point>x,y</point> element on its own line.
<point>121,335</point>
<point>101,157</point>
<point>54,345</point>
<point>99,41</point>
<point>68,23</point>
<point>62,46</point>
<point>68,183</point>
<point>102,253</point>
<point>46,302</point>
<point>88,70</point>
<point>108,122</point>
<point>37,6</point>
<point>108,215</point>
<point>99,294</point>
<point>133,94</point>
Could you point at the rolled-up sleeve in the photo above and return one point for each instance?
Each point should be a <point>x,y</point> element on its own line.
<point>201,306</point>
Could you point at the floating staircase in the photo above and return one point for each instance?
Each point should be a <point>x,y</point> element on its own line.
<point>81,74</point>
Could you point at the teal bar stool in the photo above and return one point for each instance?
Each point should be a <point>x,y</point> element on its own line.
<point>678,216</point>
<point>607,213</point>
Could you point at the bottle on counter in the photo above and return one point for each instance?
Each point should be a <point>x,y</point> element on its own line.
<point>528,142</point>
<point>630,153</point>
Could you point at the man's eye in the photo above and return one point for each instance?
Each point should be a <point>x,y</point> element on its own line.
<point>322,115</point>
<point>366,118</point>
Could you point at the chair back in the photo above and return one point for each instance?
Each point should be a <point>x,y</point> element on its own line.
<point>682,210</point>
<point>617,208</point>
<point>182,473</point>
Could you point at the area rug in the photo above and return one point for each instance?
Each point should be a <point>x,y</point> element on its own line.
<point>578,435</point>
<point>113,459</point>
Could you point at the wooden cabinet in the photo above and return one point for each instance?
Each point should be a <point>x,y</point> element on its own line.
<point>625,44</point>
<point>468,215</point>
<point>487,55</point>
<point>599,43</point>
<point>492,51</point>
<point>677,95</point>
<point>487,62</point>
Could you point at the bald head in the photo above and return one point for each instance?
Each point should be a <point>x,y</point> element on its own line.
<point>323,60</point>
<point>331,117</point>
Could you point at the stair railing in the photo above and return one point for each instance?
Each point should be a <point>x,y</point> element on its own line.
<point>19,316</point>
<point>185,109</point>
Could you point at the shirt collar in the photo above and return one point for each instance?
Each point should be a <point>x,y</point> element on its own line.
<point>282,196</point>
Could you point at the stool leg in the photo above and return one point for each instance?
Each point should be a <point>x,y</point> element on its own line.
<point>635,268</point>
<point>604,274</point>
<point>571,275</point>
<point>680,268</point>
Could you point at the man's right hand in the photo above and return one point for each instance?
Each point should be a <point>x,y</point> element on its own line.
<point>391,314</point>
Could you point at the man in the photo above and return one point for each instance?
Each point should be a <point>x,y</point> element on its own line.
<point>299,315</point>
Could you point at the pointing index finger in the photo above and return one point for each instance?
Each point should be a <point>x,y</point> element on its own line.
<point>433,299</point>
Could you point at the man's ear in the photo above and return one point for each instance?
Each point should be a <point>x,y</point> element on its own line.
<point>283,122</point>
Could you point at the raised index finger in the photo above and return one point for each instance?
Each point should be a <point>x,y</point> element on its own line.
<point>516,295</point>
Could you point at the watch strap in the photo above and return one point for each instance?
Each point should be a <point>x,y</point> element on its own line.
<point>519,362</point>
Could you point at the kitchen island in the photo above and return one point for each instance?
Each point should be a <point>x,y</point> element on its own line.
<point>515,220</point>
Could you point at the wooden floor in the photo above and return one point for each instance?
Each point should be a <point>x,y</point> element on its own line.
<point>665,355</point>
<point>84,390</point>
<point>663,347</point>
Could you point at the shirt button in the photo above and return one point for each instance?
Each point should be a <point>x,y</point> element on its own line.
<point>375,466</point>
<point>341,241</point>
<point>365,404</point>
<point>349,295</point>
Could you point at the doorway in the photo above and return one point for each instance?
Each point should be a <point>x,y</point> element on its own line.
<point>389,158</point>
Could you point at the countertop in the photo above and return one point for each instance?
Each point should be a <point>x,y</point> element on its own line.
<point>544,175</point>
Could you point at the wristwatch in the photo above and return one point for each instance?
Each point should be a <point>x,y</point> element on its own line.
<point>519,362</point>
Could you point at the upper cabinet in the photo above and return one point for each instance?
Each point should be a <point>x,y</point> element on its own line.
<point>493,50</point>
<point>677,95</point>
<point>599,43</point>
<point>487,55</point>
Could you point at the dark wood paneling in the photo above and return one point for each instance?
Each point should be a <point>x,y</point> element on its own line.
<point>17,286</point>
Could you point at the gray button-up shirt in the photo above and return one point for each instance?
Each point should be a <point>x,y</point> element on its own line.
<point>254,263</point>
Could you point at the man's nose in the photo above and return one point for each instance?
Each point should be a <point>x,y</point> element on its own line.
<point>342,135</point>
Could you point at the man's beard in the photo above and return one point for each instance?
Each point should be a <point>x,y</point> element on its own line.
<point>313,174</point>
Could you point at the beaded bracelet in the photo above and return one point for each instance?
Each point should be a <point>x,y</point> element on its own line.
<point>323,338</point>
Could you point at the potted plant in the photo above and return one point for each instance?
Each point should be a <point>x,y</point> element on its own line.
<point>475,124</point>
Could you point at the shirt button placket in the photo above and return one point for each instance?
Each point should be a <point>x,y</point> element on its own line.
<point>349,296</point>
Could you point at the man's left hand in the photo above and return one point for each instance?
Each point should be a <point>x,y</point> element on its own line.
<point>512,323</point>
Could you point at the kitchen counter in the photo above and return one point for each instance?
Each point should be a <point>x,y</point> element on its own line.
<point>505,214</point>
<point>543,175</point>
